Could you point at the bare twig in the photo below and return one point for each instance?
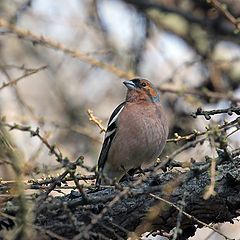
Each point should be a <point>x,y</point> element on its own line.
<point>203,94</point>
<point>27,74</point>
<point>223,9</point>
<point>192,136</point>
<point>36,133</point>
<point>210,191</point>
<point>189,216</point>
<point>42,40</point>
<point>53,185</point>
<point>49,233</point>
<point>177,230</point>
<point>95,120</point>
<point>69,166</point>
<point>79,187</point>
<point>207,114</point>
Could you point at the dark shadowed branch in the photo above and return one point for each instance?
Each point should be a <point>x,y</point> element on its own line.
<point>125,215</point>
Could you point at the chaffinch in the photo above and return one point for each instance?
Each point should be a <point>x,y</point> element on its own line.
<point>136,134</point>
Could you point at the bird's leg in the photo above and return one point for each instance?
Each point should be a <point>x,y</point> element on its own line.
<point>127,176</point>
<point>140,170</point>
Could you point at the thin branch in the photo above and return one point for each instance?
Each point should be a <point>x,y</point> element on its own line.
<point>189,216</point>
<point>223,9</point>
<point>202,94</point>
<point>69,166</point>
<point>210,191</point>
<point>27,74</point>
<point>192,136</point>
<point>49,233</point>
<point>95,120</point>
<point>79,187</point>
<point>42,40</point>
<point>36,133</point>
<point>53,185</point>
<point>207,114</point>
<point>47,42</point>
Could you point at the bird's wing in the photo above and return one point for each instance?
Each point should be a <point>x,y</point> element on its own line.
<point>110,133</point>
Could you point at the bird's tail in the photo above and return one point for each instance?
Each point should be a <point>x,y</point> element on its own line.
<point>98,178</point>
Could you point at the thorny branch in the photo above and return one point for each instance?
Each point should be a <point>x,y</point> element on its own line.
<point>69,166</point>
<point>33,133</point>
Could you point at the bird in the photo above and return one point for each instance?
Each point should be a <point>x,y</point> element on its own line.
<point>136,132</point>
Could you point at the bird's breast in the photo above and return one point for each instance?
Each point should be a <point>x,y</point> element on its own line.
<point>142,135</point>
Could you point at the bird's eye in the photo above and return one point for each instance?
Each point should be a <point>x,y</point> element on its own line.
<point>144,84</point>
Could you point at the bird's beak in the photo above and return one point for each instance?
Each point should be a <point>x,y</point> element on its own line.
<point>129,84</point>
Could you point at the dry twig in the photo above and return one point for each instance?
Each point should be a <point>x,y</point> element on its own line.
<point>25,75</point>
<point>223,9</point>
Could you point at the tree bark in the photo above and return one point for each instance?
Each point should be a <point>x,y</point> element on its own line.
<point>131,211</point>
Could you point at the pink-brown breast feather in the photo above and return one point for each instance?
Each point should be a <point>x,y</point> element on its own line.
<point>140,137</point>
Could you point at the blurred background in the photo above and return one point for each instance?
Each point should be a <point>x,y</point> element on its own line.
<point>187,48</point>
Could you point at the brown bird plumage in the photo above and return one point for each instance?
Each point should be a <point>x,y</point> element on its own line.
<point>137,131</point>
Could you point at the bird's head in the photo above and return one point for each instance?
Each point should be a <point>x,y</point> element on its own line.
<point>140,89</point>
